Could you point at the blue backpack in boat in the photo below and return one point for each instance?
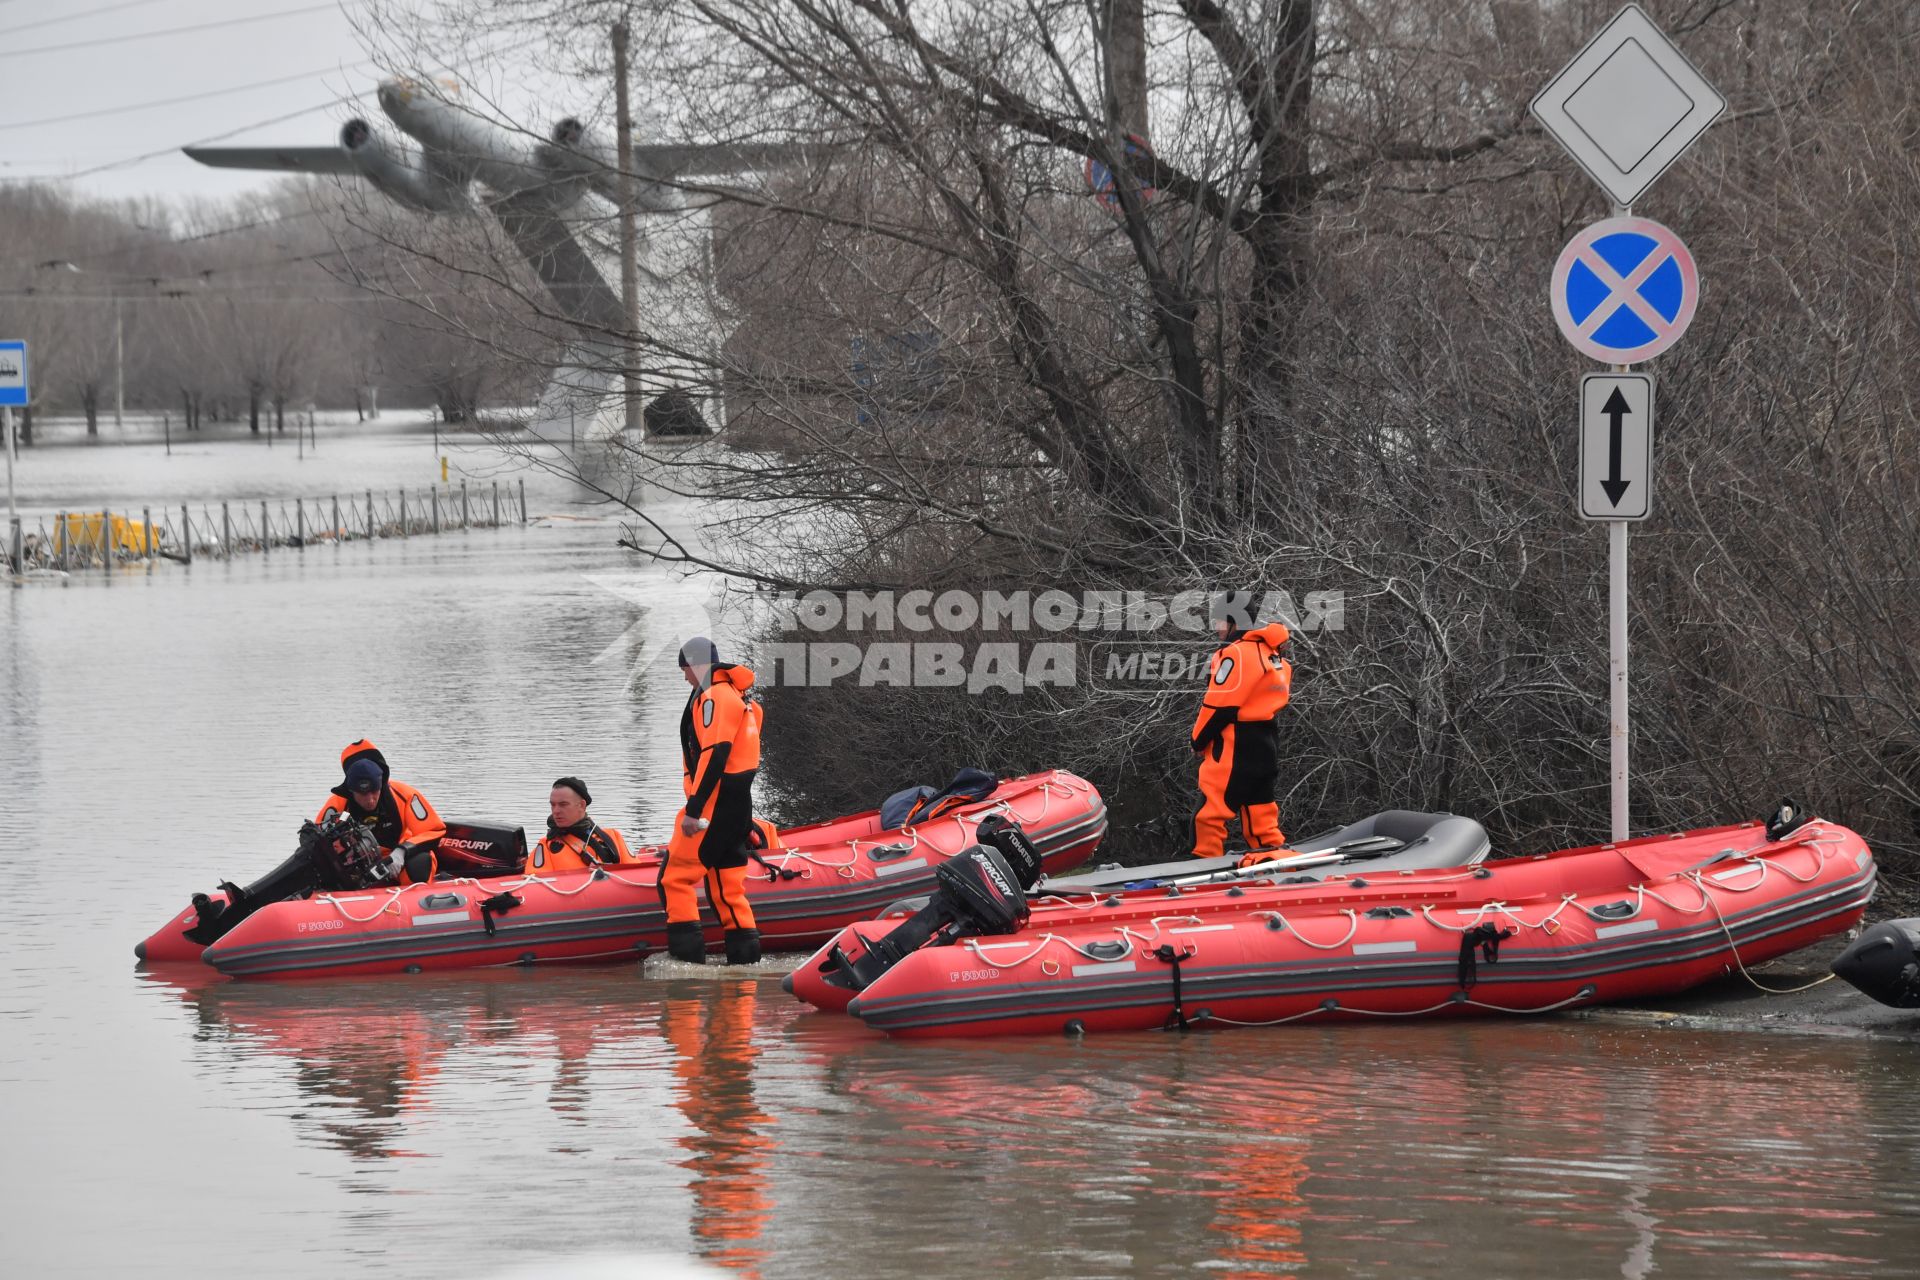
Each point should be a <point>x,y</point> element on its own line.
<point>919,804</point>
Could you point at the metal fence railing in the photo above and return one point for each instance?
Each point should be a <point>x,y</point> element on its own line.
<point>77,540</point>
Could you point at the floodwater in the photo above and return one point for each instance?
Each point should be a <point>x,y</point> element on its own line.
<point>162,730</point>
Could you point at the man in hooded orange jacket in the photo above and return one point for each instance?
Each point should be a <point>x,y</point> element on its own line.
<point>1248,682</point>
<point>720,753</point>
<point>403,822</point>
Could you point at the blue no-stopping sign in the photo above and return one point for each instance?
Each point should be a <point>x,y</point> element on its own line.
<point>1624,290</point>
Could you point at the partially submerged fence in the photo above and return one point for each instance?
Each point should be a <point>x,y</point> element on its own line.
<point>74,540</point>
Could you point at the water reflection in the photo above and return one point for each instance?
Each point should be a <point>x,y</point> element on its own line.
<point>1501,1150</point>
<point>713,1038</point>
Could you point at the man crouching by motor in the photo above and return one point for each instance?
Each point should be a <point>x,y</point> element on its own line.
<point>402,821</point>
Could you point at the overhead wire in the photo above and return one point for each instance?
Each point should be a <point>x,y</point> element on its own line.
<point>188,97</point>
<point>75,17</point>
<point>168,31</point>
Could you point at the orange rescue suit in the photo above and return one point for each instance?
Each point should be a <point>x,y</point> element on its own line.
<point>401,816</point>
<point>569,850</point>
<point>1248,682</point>
<point>720,753</point>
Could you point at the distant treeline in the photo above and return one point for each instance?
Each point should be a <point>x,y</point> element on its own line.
<point>248,310</point>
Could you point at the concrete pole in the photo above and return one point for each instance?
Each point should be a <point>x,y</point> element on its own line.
<point>266,528</point>
<point>226,532</point>
<point>106,541</point>
<point>436,510</point>
<point>523,500</point>
<point>147,543</point>
<point>496,504</point>
<point>403,511</point>
<point>370,514</point>
<point>119,372</point>
<point>336,532</point>
<point>465,514</point>
<point>299,513</point>
<point>186,535</point>
<point>629,234</point>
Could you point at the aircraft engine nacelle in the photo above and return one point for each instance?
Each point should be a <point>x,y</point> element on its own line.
<point>394,172</point>
<point>575,155</point>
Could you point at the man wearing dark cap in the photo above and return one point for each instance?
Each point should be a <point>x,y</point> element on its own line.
<point>574,841</point>
<point>403,822</point>
<point>720,753</point>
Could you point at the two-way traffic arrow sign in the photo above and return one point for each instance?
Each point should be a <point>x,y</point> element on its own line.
<point>1616,446</point>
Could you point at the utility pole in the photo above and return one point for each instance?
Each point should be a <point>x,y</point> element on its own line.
<point>629,242</point>
<point>119,372</point>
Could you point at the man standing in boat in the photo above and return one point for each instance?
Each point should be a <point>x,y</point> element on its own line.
<point>1248,681</point>
<point>574,841</point>
<point>720,753</point>
<point>403,822</point>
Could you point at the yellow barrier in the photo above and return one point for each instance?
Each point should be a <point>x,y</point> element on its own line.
<point>82,529</point>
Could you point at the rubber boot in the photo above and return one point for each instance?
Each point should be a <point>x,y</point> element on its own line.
<point>743,946</point>
<point>685,942</point>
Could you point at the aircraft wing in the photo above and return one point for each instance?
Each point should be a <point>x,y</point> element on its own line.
<point>285,159</point>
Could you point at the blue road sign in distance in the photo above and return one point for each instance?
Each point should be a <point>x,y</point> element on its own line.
<point>1100,178</point>
<point>13,374</point>
<point>1624,290</point>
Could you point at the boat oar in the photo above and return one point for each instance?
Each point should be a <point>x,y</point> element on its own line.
<point>1352,850</point>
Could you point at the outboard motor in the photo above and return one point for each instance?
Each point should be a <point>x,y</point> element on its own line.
<point>1884,962</point>
<point>982,891</point>
<point>337,854</point>
<point>474,849</point>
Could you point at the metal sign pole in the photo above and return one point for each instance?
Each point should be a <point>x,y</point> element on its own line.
<point>1619,712</point>
<point>1617,669</point>
<point>6,416</point>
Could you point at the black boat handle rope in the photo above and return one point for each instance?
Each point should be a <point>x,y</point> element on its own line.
<point>498,904</point>
<point>1480,942</point>
<point>1166,954</point>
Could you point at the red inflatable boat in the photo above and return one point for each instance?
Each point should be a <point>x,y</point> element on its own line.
<point>1642,918</point>
<point>828,875</point>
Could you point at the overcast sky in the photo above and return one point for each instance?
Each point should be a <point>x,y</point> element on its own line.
<point>278,62</point>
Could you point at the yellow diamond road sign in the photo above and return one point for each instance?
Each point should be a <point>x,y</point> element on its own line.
<point>1628,105</point>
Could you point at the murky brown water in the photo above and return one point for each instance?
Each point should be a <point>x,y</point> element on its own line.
<point>170,729</point>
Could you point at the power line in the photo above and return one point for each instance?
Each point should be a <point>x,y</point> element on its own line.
<point>190,97</point>
<point>169,31</point>
<point>201,142</point>
<point>74,17</point>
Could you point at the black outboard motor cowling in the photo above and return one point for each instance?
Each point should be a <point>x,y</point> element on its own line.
<point>975,892</point>
<point>337,854</point>
<point>1884,962</point>
<point>480,849</point>
<point>1019,851</point>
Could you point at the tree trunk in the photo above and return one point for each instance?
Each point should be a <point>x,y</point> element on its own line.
<point>1126,41</point>
<point>253,410</point>
<point>1280,236</point>
<point>359,406</point>
<point>280,415</point>
<point>90,401</point>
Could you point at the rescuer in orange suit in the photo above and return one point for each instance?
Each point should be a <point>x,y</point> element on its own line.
<point>1248,682</point>
<point>574,841</point>
<point>720,753</point>
<point>403,822</point>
